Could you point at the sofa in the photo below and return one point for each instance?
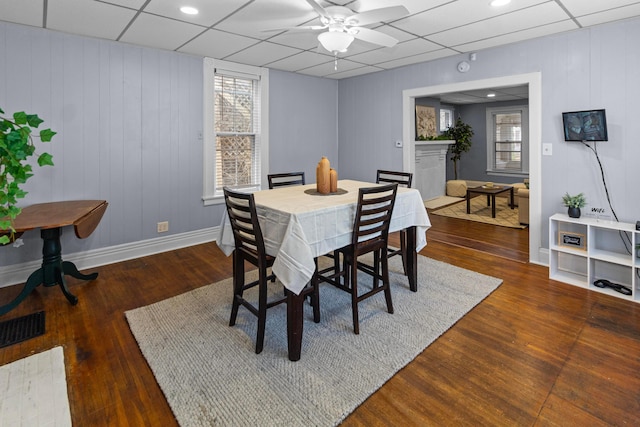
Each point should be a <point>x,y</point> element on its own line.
<point>458,188</point>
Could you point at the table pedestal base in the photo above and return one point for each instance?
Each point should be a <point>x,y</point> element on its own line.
<point>52,271</point>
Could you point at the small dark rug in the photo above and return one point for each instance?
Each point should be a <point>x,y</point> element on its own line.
<point>21,328</point>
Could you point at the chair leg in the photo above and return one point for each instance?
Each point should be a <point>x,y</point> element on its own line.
<point>403,250</point>
<point>238,283</point>
<point>315,296</point>
<point>354,294</point>
<point>262,310</point>
<point>385,282</point>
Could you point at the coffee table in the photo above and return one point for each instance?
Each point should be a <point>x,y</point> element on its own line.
<point>491,193</point>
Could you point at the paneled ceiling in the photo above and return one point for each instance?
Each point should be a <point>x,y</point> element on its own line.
<point>236,30</point>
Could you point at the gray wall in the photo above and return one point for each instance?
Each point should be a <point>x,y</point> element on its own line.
<point>128,120</point>
<point>584,69</point>
<point>304,123</point>
<point>473,164</point>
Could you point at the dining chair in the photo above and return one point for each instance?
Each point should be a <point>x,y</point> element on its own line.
<point>403,179</point>
<point>282,179</point>
<point>370,235</point>
<point>249,246</point>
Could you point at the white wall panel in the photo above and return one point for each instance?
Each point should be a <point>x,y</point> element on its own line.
<point>128,120</point>
<point>583,69</point>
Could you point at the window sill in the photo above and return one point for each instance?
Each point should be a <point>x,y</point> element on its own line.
<point>510,174</point>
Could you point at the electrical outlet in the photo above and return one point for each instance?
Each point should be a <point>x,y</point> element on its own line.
<point>163,227</point>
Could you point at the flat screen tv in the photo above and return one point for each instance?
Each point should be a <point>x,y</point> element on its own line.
<point>589,125</point>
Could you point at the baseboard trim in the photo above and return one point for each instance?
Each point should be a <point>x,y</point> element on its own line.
<point>18,273</point>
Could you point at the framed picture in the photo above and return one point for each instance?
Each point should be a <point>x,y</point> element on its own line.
<point>572,240</point>
<point>425,122</point>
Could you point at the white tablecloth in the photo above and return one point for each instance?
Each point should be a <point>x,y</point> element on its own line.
<point>297,226</point>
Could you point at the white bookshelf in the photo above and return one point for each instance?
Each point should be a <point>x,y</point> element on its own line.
<point>583,250</point>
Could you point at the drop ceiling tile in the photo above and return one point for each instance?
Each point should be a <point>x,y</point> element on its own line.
<point>398,34</point>
<point>581,7</point>
<point>217,44</point>
<point>544,30</point>
<point>26,12</point>
<point>327,69</point>
<point>163,33</point>
<point>98,19</point>
<point>610,15</point>
<point>401,50</point>
<point>262,53</point>
<point>131,4</point>
<point>414,6</point>
<point>429,56</point>
<point>300,61</point>
<point>261,15</point>
<point>355,72</point>
<point>456,14</point>
<point>504,24</point>
<point>210,12</point>
<point>301,40</point>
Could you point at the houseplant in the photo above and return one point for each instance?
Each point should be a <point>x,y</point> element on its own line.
<point>16,149</point>
<point>574,203</point>
<point>461,133</point>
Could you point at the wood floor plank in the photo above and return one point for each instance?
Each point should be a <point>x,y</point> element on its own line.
<point>535,352</point>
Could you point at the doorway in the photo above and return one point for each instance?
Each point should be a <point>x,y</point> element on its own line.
<point>534,82</point>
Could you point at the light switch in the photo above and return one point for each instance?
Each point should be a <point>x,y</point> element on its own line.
<point>546,149</point>
<point>398,143</point>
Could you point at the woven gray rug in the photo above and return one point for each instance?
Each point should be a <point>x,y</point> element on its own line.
<point>211,376</point>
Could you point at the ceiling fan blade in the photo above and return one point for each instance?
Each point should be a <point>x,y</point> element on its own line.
<point>373,36</point>
<point>384,14</point>
<point>297,29</point>
<point>319,9</point>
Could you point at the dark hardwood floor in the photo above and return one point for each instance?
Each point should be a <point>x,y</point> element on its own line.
<point>534,352</point>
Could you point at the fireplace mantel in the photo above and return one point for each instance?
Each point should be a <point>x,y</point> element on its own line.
<point>431,167</point>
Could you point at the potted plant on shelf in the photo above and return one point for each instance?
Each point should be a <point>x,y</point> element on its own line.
<point>574,203</point>
<point>461,133</point>
<point>16,149</point>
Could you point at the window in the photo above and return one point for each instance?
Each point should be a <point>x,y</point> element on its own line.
<point>236,127</point>
<point>507,140</point>
<point>446,118</point>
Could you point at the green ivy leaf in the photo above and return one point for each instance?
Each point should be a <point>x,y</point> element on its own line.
<point>20,118</point>
<point>33,120</point>
<point>45,159</point>
<point>46,135</point>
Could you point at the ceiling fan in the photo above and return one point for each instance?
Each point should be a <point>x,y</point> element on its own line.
<point>343,26</point>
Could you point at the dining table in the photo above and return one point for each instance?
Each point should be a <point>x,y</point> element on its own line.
<point>299,224</point>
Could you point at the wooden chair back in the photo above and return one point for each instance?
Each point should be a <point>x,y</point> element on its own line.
<point>373,217</point>
<point>403,179</point>
<point>283,179</point>
<point>241,209</point>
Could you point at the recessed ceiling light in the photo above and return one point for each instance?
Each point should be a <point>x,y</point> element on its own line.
<point>496,3</point>
<point>491,95</point>
<point>189,10</point>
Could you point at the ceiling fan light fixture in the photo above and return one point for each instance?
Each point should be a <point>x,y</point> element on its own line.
<point>335,41</point>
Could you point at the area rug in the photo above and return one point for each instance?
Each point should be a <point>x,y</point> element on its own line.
<point>441,201</point>
<point>34,391</point>
<point>211,375</point>
<point>480,212</point>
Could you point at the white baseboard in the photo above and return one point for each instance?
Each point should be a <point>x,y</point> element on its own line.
<point>18,273</point>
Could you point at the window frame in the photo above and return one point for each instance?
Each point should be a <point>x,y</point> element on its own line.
<point>451,110</point>
<point>210,195</point>
<point>491,143</point>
